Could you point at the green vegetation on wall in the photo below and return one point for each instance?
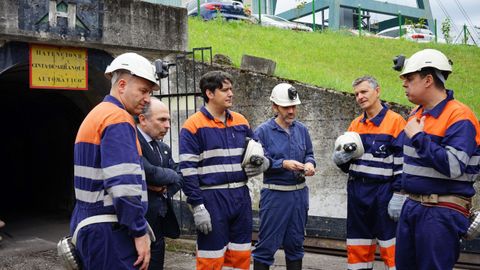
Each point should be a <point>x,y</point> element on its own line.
<point>334,59</point>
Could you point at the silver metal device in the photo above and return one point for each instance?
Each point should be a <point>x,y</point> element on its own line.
<point>68,256</point>
<point>474,229</point>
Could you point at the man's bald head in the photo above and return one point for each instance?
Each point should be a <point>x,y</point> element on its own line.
<point>155,119</point>
<point>156,104</point>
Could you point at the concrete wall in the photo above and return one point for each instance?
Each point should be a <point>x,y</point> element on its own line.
<point>112,25</point>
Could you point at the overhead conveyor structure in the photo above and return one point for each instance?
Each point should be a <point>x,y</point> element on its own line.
<point>334,7</point>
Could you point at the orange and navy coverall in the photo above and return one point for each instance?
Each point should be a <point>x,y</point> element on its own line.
<point>109,179</point>
<point>372,180</point>
<point>443,160</point>
<point>211,155</point>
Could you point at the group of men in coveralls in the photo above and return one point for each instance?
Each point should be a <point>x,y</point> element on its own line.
<point>419,173</point>
<point>211,146</point>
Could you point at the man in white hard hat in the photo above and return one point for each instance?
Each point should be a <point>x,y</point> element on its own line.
<point>373,186</point>
<point>162,176</point>
<point>108,223</point>
<point>441,160</point>
<point>211,146</point>
<point>284,196</point>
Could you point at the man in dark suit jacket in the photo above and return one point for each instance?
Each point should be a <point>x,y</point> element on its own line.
<point>162,175</point>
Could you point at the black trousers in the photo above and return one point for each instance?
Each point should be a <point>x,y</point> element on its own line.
<point>157,251</point>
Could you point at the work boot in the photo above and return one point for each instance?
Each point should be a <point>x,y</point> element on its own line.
<point>294,265</point>
<point>260,266</point>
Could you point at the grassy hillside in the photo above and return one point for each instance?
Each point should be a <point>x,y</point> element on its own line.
<point>334,60</point>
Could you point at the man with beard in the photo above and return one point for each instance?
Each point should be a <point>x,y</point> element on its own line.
<point>284,196</point>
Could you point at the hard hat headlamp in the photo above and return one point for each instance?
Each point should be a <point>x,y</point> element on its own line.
<point>256,161</point>
<point>292,93</point>
<point>427,58</point>
<point>253,153</point>
<point>349,147</point>
<point>285,95</point>
<point>398,62</point>
<point>350,142</point>
<point>161,68</point>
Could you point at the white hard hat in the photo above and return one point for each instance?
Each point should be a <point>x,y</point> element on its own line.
<point>427,58</point>
<point>350,142</point>
<point>252,149</point>
<point>284,95</point>
<point>136,64</point>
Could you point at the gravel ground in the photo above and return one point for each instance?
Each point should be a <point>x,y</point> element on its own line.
<point>42,260</point>
<point>40,254</point>
<point>34,248</point>
<point>35,254</point>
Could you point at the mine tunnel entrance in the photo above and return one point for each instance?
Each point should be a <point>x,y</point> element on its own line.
<point>38,134</point>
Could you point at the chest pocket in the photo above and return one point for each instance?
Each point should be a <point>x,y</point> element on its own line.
<point>237,135</point>
<point>300,149</point>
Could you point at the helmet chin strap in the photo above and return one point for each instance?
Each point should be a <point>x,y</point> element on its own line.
<point>440,76</point>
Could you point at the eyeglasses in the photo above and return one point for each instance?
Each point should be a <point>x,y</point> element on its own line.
<point>292,93</point>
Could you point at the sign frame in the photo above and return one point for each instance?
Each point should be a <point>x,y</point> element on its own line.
<point>61,50</point>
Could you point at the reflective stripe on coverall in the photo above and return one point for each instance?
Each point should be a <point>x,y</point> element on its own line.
<point>109,179</point>
<point>372,180</point>
<point>211,154</point>
<point>283,214</point>
<point>444,160</point>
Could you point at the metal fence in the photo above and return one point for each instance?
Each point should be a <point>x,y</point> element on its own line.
<point>180,92</point>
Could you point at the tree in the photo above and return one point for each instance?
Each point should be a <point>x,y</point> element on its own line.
<point>299,7</point>
<point>419,24</point>
<point>446,27</point>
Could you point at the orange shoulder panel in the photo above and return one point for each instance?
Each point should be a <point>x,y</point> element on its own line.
<point>196,121</point>
<point>238,119</point>
<point>354,124</point>
<point>453,112</point>
<point>396,122</point>
<point>463,112</point>
<point>392,124</point>
<point>102,116</point>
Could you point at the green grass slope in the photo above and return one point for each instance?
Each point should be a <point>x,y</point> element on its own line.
<point>334,59</point>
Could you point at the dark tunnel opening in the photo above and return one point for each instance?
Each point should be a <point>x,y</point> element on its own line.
<point>39,132</point>
<point>38,135</point>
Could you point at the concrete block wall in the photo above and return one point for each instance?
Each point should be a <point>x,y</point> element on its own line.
<point>115,26</point>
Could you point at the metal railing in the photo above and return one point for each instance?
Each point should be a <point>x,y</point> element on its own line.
<point>183,98</point>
